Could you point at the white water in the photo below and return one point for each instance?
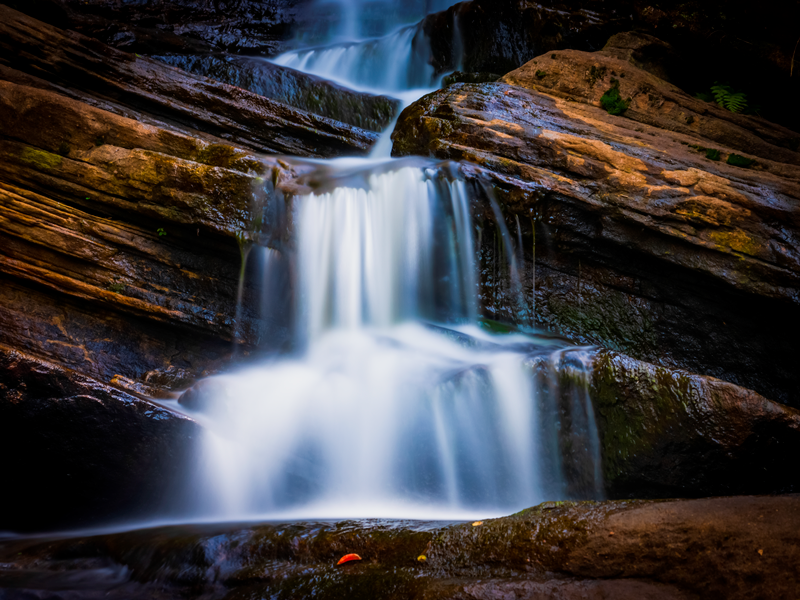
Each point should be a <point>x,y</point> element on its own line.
<point>395,63</point>
<point>396,403</point>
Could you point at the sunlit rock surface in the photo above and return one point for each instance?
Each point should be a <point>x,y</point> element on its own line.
<point>642,244</point>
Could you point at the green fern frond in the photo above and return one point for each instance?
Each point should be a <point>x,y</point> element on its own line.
<point>728,99</point>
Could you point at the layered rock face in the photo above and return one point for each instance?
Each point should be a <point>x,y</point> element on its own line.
<point>627,235</point>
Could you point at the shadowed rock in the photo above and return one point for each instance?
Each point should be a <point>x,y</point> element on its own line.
<point>79,452</point>
<point>293,88</point>
<point>622,550</point>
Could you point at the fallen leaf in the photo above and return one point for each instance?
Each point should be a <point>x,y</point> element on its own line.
<point>422,558</point>
<point>347,558</point>
<point>761,552</point>
<point>610,533</point>
<point>476,523</point>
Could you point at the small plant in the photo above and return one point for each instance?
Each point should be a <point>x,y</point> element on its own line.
<point>724,95</point>
<point>612,102</point>
<point>739,161</point>
<point>161,232</point>
<point>712,154</point>
<point>541,74</point>
<point>63,148</point>
<point>117,288</point>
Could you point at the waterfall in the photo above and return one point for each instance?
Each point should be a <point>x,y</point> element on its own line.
<point>391,64</point>
<point>395,399</point>
<point>398,404</point>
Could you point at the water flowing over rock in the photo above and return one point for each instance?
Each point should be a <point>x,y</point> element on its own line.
<point>383,413</point>
<point>642,244</point>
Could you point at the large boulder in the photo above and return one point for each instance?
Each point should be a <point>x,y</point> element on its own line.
<point>719,548</point>
<point>79,452</point>
<point>668,433</point>
<point>630,236</point>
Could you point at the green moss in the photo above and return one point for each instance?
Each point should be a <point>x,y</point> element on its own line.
<point>64,148</point>
<point>638,406</point>
<point>116,287</point>
<point>739,161</point>
<point>712,154</point>
<point>612,102</point>
<point>40,159</point>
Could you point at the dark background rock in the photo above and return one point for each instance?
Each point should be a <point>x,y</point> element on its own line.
<point>257,27</point>
<point>749,46</point>
<point>81,453</point>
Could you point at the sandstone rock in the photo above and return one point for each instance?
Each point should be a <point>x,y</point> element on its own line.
<point>119,253</point>
<point>584,77</point>
<point>750,48</point>
<point>79,452</point>
<point>642,244</point>
<point>622,550</point>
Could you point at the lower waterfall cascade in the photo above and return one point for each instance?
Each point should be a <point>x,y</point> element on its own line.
<point>396,403</point>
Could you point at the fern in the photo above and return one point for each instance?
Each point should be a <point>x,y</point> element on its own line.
<point>733,101</point>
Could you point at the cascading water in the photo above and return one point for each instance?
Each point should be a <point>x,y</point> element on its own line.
<point>395,402</point>
<point>391,64</point>
<point>385,413</point>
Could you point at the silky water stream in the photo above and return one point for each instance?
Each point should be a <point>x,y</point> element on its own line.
<point>394,402</point>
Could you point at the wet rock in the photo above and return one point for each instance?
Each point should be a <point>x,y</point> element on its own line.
<point>78,452</point>
<point>668,433</point>
<point>293,88</point>
<point>33,53</point>
<point>461,77</point>
<point>631,237</point>
<point>617,549</point>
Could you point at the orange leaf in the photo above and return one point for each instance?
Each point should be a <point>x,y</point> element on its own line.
<point>477,523</point>
<point>347,558</point>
